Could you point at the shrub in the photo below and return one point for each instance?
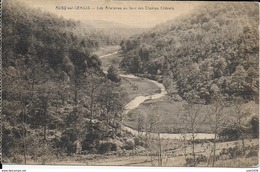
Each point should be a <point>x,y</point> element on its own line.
<point>199,159</point>
<point>229,134</point>
<point>67,140</point>
<point>113,75</point>
<point>129,145</point>
<point>231,152</point>
<point>106,147</point>
<point>252,153</point>
<point>138,141</point>
<point>18,159</point>
<point>254,125</point>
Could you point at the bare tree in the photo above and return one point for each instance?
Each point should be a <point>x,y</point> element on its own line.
<point>191,116</point>
<point>216,120</point>
<point>157,146</point>
<point>183,138</point>
<point>140,117</point>
<point>240,113</point>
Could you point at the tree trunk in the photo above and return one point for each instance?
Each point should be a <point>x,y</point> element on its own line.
<point>44,132</point>
<point>215,139</point>
<point>75,96</point>
<point>243,145</point>
<point>160,151</point>
<point>214,152</point>
<point>193,146</point>
<point>193,153</point>
<point>24,138</point>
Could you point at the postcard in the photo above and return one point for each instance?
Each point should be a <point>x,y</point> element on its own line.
<point>130,84</point>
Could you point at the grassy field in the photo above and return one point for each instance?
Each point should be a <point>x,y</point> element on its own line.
<point>135,158</point>
<point>239,162</point>
<point>138,87</point>
<point>169,109</point>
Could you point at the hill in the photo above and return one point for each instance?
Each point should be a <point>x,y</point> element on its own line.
<point>55,94</point>
<point>116,31</point>
<point>213,50</point>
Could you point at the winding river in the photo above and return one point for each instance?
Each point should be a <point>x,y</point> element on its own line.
<point>140,99</point>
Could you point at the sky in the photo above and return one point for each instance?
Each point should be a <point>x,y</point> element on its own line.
<point>142,18</point>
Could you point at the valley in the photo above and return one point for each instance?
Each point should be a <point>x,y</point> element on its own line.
<point>92,92</point>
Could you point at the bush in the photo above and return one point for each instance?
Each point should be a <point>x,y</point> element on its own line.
<point>199,159</point>
<point>18,159</point>
<point>129,145</point>
<point>139,142</point>
<point>67,140</point>
<point>231,152</point>
<point>252,153</point>
<point>229,134</point>
<point>113,75</point>
<point>106,147</point>
<point>254,125</point>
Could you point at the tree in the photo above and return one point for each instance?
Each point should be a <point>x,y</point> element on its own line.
<point>191,114</point>
<point>240,115</point>
<point>42,112</point>
<point>153,136</point>
<point>254,124</point>
<point>68,137</point>
<point>111,100</point>
<point>216,120</point>
<point>92,89</point>
<point>92,137</point>
<point>238,81</point>
<point>113,75</point>
<point>77,83</point>
<point>140,117</point>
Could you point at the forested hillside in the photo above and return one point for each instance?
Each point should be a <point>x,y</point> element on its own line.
<point>115,32</point>
<point>214,49</point>
<point>56,98</point>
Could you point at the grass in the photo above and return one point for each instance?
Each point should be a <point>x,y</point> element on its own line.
<point>144,159</point>
<point>169,109</point>
<point>144,88</point>
<point>238,162</point>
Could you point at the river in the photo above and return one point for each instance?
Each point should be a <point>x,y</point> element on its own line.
<point>140,99</point>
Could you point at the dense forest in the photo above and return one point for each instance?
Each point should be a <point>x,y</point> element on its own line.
<point>213,50</point>
<point>55,94</point>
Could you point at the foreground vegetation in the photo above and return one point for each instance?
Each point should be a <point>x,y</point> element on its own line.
<point>56,99</point>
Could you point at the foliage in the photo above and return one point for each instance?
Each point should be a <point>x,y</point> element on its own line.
<point>215,48</point>
<point>254,124</point>
<point>199,159</point>
<point>54,88</point>
<point>234,152</point>
<point>129,145</point>
<point>106,147</point>
<point>67,140</point>
<point>229,133</point>
<point>113,74</point>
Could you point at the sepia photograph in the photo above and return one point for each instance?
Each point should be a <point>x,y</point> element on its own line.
<point>130,84</point>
